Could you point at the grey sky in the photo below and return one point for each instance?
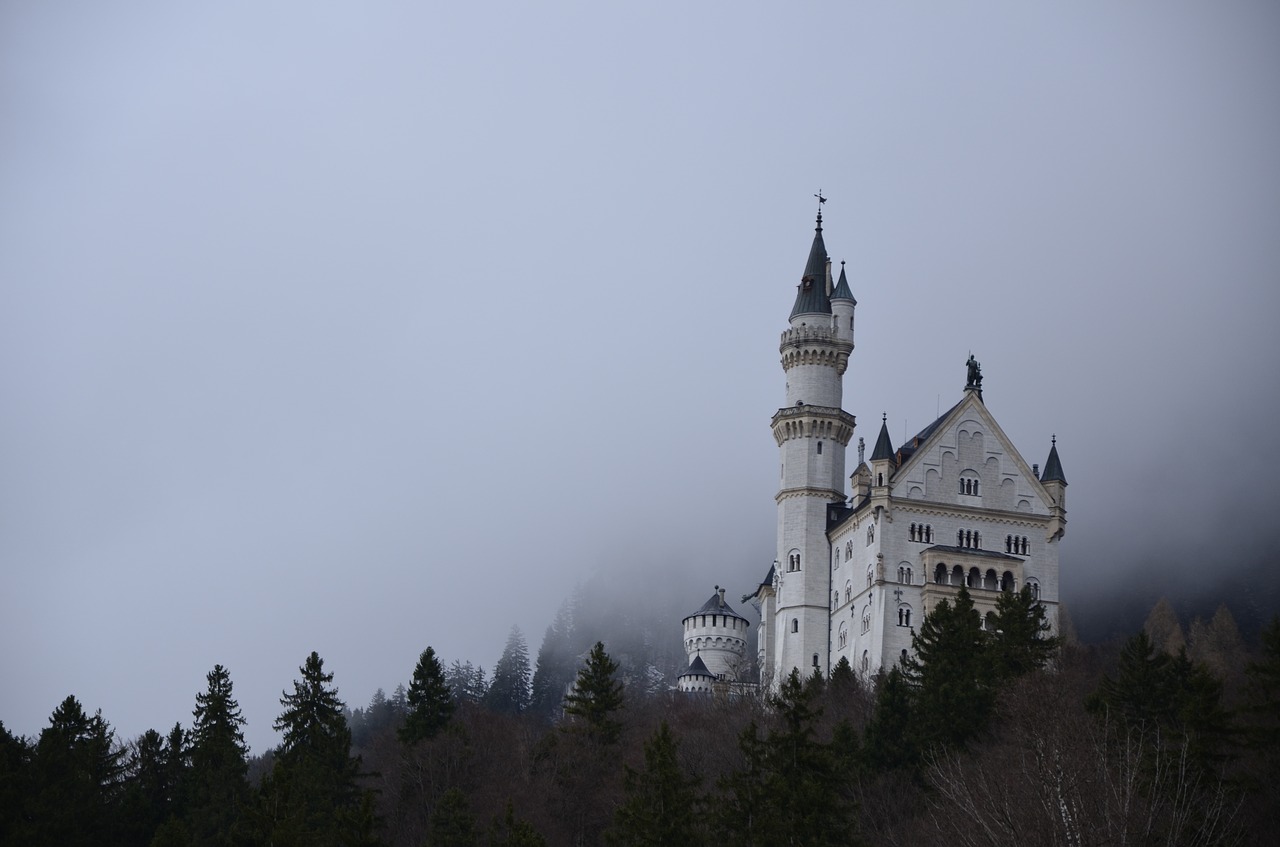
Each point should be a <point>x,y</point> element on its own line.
<point>363,327</point>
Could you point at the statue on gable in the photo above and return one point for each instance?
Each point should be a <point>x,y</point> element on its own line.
<point>975,373</point>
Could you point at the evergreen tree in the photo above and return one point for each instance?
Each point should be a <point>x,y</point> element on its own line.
<point>78,770</point>
<point>452,824</point>
<point>509,690</point>
<point>556,665</point>
<point>1164,629</point>
<point>218,787</point>
<point>510,832</point>
<point>890,741</point>
<point>950,674</point>
<point>466,681</point>
<point>311,796</point>
<point>430,700</point>
<point>661,802</point>
<point>791,788</point>
<point>596,697</point>
<point>1021,642</point>
<point>14,759</point>
<point>146,798</point>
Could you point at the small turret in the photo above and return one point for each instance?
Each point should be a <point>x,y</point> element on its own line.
<point>715,640</point>
<point>1055,484</point>
<point>882,459</point>
<point>842,306</point>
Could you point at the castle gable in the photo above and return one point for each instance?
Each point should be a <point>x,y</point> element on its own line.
<point>965,459</point>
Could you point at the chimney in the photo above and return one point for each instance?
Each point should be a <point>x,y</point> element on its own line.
<point>721,592</point>
<point>1035,470</point>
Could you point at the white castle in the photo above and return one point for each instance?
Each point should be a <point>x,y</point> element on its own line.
<point>956,505</point>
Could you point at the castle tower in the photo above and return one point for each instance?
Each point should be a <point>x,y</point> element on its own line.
<point>715,640</point>
<point>812,432</point>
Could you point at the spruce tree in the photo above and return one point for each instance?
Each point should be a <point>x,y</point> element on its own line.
<point>951,674</point>
<point>509,691</point>
<point>890,739</point>
<point>661,804</point>
<point>430,701</point>
<point>78,772</point>
<point>312,796</point>
<point>452,824</point>
<point>596,697</point>
<point>555,666</point>
<point>218,787</point>
<point>511,832</point>
<point>1021,642</point>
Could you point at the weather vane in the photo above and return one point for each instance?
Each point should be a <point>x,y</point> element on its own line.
<point>821,199</point>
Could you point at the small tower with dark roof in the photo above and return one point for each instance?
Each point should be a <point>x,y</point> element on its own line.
<point>1055,483</point>
<point>882,458</point>
<point>715,639</point>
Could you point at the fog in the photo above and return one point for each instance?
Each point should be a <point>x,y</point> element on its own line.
<point>364,328</point>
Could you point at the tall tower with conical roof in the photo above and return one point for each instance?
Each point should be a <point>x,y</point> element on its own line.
<point>812,432</point>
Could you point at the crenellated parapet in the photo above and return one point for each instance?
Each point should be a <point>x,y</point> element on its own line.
<point>815,345</point>
<point>813,422</point>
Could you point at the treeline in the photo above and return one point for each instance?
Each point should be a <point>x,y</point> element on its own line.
<point>980,737</point>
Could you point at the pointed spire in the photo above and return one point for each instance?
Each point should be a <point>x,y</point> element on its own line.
<point>884,447</point>
<point>842,291</point>
<point>811,294</point>
<point>1053,466</point>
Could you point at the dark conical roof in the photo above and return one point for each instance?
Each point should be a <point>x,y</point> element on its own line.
<point>842,291</point>
<point>698,668</point>
<point>884,447</point>
<point>1053,466</point>
<point>811,296</point>
<point>716,606</point>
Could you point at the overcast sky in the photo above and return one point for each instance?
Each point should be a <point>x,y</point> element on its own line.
<point>362,327</point>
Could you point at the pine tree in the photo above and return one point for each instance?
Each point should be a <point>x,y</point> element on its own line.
<point>661,801</point>
<point>596,697</point>
<point>311,796</point>
<point>14,773</point>
<point>218,784</point>
<point>78,770</point>
<point>1021,642</point>
<point>1164,629</point>
<point>555,666</point>
<point>890,741</point>
<point>146,798</point>
<point>452,824</point>
<point>510,832</point>
<point>950,674</point>
<point>430,700</point>
<point>509,691</point>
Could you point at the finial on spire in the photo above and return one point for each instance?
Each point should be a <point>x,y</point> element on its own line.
<point>884,416</point>
<point>1054,440</point>
<point>821,200</point>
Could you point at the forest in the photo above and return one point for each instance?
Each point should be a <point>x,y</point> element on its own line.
<point>1004,737</point>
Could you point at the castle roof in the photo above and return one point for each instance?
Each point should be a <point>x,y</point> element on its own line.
<point>912,444</point>
<point>811,294</point>
<point>842,291</point>
<point>717,606</point>
<point>697,668</point>
<point>1053,466</point>
<point>884,447</point>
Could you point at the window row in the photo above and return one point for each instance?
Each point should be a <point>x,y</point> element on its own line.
<point>904,575</point>
<point>793,561</point>
<point>1015,544</point>
<point>969,486</point>
<point>968,538</point>
<point>922,532</point>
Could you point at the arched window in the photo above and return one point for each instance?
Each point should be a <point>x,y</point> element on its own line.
<point>1034,585</point>
<point>989,622</point>
<point>1008,544</point>
<point>940,574</point>
<point>869,572</point>
<point>793,560</point>
<point>835,600</point>
<point>843,638</point>
<point>871,533</point>
<point>848,590</point>
<point>928,533</point>
<point>819,448</point>
<point>913,532</point>
<point>848,551</point>
<point>904,615</point>
<point>1006,581</point>
<point>866,618</point>
<point>959,537</point>
<point>795,624</point>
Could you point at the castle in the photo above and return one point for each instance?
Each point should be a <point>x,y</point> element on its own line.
<point>955,505</point>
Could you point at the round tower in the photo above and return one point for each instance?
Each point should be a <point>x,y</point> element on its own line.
<point>812,432</point>
<point>715,640</point>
